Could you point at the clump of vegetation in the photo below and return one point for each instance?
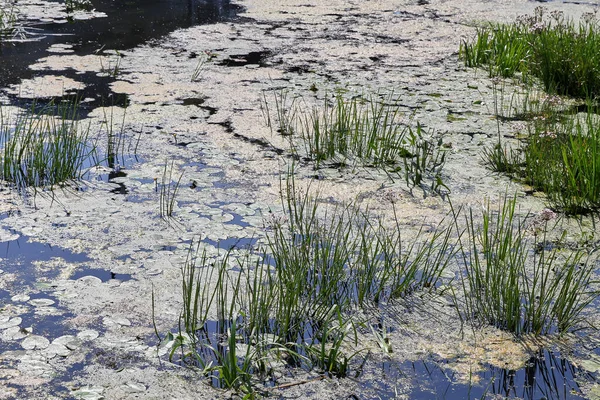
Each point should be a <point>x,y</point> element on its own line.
<point>296,302</point>
<point>112,68</point>
<point>559,156</point>
<point>513,284</point>
<point>168,191</point>
<point>560,53</point>
<point>204,58</point>
<point>293,303</point>
<point>342,129</point>
<point>365,130</point>
<point>8,21</point>
<point>78,5</point>
<point>44,148</point>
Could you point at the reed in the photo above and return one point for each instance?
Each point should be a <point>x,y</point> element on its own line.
<point>517,286</point>
<point>168,191</point>
<point>558,52</point>
<point>44,148</point>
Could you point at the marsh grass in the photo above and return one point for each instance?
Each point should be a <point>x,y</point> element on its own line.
<point>342,129</point>
<point>78,5</point>
<point>359,260</point>
<point>514,285</point>
<point>347,130</point>
<point>110,65</point>
<point>168,191</point>
<point>203,59</point>
<point>297,301</point>
<point>293,302</point>
<point>560,156</point>
<point>115,140</point>
<point>563,160</point>
<point>560,53</point>
<point>44,148</point>
<point>8,21</point>
<point>425,163</point>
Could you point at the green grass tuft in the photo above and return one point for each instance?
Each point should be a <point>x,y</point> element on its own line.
<point>44,148</point>
<point>560,53</point>
<point>514,285</point>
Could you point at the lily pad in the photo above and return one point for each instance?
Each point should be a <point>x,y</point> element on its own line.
<point>122,321</point>
<point>35,342</point>
<point>8,322</point>
<point>13,333</point>
<point>6,236</point>
<point>55,349</point>
<point>88,335</point>
<point>41,302</point>
<point>134,388</point>
<point>154,271</point>
<point>32,230</point>
<point>90,280</point>
<point>20,298</point>
<point>89,393</point>
<point>590,365</point>
<point>69,341</point>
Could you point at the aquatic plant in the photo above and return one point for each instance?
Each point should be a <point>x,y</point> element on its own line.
<point>44,148</point>
<point>204,58</point>
<point>560,156</point>
<point>112,68</point>
<point>8,21</point>
<point>425,163</point>
<point>293,300</point>
<point>115,143</point>
<point>560,53</point>
<point>341,129</point>
<point>363,130</point>
<point>168,191</point>
<point>325,348</point>
<point>513,284</point>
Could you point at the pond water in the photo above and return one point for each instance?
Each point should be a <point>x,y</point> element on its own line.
<point>128,24</point>
<point>546,376</point>
<point>134,22</point>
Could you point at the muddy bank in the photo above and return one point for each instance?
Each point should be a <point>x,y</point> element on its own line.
<point>211,127</point>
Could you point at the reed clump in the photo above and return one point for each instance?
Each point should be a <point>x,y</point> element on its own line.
<point>514,284</point>
<point>44,148</point>
<point>293,302</point>
<point>8,21</point>
<point>558,52</point>
<point>560,156</point>
<point>361,130</point>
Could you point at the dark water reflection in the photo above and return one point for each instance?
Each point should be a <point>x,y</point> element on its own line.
<point>547,375</point>
<point>128,24</point>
